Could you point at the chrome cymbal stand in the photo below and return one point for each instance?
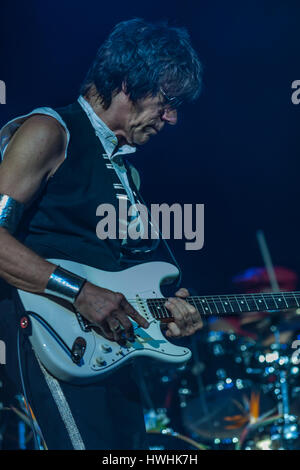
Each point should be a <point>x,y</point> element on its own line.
<point>287,429</point>
<point>1,420</point>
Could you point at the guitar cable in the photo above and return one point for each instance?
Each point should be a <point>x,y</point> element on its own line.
<point>35,439</point>
<point>172,256</point>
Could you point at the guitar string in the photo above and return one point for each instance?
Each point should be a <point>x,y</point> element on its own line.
<point>256,294</point>
<point>159,303</point>
<point>223,300</point>
<point>233,296</point>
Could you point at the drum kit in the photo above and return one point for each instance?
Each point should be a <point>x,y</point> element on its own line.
<point>241,389</point>
<point>236,393</point>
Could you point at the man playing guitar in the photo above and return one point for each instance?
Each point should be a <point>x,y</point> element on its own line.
<point>58,166</point>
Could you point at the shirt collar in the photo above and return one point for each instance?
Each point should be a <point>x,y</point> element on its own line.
<point>104,133</point>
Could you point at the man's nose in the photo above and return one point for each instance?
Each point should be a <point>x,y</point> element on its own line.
<point>170,116</point>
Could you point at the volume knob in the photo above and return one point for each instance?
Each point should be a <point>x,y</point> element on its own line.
<point>100,361</point>
<point>106,347</point>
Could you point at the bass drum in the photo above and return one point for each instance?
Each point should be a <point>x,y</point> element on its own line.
<point>171,440</point>
<point>270,437</point>
<point>227,413</point>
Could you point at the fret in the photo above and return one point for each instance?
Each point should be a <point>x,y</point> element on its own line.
<point>251,303</point>
<point>205,305</point>
<point>269,301</point>
<point>245,299</point>
<point>285,301</point>
<point>198,304</point>
<point>290,299</point>
<point>261,302</point>
<point>274,299</point>
<point>238,303</point>
<point>213,310</point>
<point>227,305</point>
<point>165,311</point>
<point>221,302</point>
<point>152,309</point>
<point>233,304</point>
<point>257,301</point>
<point>279,299</point>
<point>215,305</point>
<point>243,305</point>
<point>264,300</point>
<point>157,309</point>
<point>208,303</point>
<point>296,299</point>
<point>160,311</point>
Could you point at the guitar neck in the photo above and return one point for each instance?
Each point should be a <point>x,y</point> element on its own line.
<point>230,304</point>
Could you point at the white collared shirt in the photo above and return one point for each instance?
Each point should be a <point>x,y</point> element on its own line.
<point>109,141</point>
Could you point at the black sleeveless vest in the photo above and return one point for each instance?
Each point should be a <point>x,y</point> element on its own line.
<point>61,222</point>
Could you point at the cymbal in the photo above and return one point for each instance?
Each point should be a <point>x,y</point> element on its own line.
<point>228,412</point>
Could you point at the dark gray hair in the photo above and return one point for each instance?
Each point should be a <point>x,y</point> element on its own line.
<point>145,57</point>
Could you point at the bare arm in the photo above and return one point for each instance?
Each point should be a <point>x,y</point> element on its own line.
<point>34,152</point>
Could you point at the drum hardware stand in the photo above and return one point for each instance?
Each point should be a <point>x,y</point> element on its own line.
<point>198,369</point>
<point>155,418</point>
<point>289,429</point>
<point>1,425</point>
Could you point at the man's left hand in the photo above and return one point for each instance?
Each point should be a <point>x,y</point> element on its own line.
<point>187,319</point>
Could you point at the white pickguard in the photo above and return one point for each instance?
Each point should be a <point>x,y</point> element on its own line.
<point>101,356</point>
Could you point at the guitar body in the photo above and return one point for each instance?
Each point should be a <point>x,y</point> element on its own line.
<point>55,328</point>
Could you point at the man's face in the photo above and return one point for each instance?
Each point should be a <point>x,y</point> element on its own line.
<point>146,118</point>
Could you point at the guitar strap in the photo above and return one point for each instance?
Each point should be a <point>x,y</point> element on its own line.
<point>53,384</point>
<point>63,408</point>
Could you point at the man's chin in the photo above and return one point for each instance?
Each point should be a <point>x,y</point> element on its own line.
<point>142,139</point>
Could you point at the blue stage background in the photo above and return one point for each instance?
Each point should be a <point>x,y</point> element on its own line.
<point>236,150</point>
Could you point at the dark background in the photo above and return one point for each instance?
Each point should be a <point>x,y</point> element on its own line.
<point>236,150</point>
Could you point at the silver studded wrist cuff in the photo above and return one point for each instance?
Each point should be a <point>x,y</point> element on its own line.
<point>11,212</point>
<point>64,284</point>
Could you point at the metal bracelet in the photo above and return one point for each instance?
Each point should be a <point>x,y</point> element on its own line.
<point>64,284</point>
<point>11,212</point>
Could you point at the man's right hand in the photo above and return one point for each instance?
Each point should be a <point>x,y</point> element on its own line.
<point>109,311</point>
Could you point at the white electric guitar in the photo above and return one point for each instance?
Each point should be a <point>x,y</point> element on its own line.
<point>74,351</point>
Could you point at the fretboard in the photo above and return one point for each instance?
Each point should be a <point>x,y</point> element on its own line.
<point>231,304</point>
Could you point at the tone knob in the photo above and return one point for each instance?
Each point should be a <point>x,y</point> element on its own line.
<point>100,361</point>
<point>106,347</point>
